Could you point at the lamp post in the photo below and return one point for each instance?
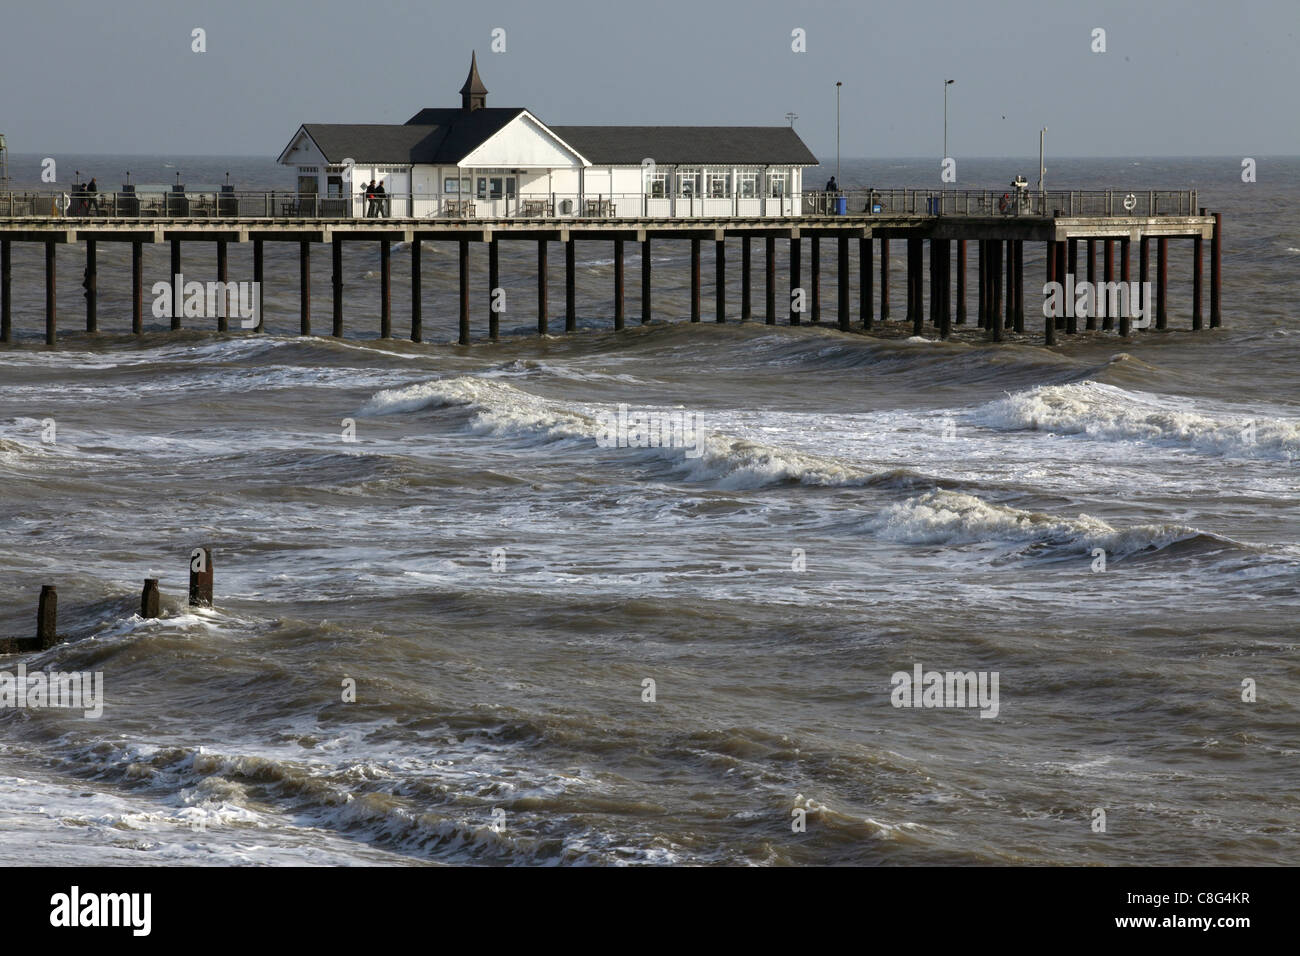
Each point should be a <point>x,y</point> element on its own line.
<point>946,84</point>
<point>791,117</point>
<point>838,84</point>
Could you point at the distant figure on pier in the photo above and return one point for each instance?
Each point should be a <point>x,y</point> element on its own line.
<point>370,199</point>
<point>832,186</point>
<point>381,204</point>
<point>92,201</point>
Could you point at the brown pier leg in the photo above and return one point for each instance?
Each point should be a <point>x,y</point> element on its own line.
<point>945,288</point>
<point>960,317</point>
<point>223,276</point>
<point>843,277</point>
<point>815,268</point>
<point>6,292</point>
<point>51,295</point>
<point>570,286</point>
<point>746,306</point>
<point>1004,250</point>
<point>336,285</point>
<point>385,288</point>
<point>149,599</point>
<point>494,283</point>
<point>1125,322</point>
<point>695,280</point>
<point>884,280</point>
<point>137,286</point>
<point>463,337</point>
<point>417,281</point>
<point>769,287</point>
<point>1107,276</point>
<point>916,262</point>
<point>619,318</point>
<point>92,291</point>
<point>982,284</point>
<point>259,271</point>
<point>1063,277</point>
<point>1216,242</point>
<point>1092,281</point>
<point>178,295</point>
<point>1162,280</point>
<point>934,282</point>
<point>645,280</point>
<point>1196,283</point>
<point>720,280</point>
<point>1020,285</point>
<point>543,309</point>
<point>1049,322</point>
<point>1144,270</point>
<point>867,279</point>
<point>796,261</point>
<point>304,286</point>
<point>995,293</point>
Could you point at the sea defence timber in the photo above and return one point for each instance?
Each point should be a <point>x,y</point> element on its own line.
<point>998,224</point>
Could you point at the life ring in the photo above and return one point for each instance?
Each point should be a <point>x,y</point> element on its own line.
<point>1003,204</point>
<point>1130,202</point>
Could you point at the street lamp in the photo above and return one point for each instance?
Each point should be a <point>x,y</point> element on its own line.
<point>946,84</point>
<point>838,84</point>
<point>790,118</point>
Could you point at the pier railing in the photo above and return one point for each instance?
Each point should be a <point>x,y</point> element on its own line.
<point>288,205</point>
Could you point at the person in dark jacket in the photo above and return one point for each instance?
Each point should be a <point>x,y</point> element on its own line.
<point>370,199</point>
<point>832,186</point>
<point>380,202</point>
<point>92,199</point>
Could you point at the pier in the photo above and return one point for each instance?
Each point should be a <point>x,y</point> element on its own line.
<point>863,224</point>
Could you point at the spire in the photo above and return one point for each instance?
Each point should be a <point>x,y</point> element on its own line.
<point>473,95</point>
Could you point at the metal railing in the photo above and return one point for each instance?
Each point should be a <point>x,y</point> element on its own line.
<point>289,205</point>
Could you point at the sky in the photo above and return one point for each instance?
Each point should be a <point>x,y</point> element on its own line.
<point>1192,78</point>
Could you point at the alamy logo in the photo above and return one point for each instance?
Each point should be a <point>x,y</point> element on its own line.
<point>208,300</point>
<point>1098,300</point>
<point>948,689</point>
<point>650,429</point>
<point>74,690</point>
<point>103,909</point>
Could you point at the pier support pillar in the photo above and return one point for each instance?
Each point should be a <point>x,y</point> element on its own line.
<point>417,292</point>
<point>259,271</point>
<point>1162,280</point>
<point>720,280</point>
<point>1108,275</point>
<point>1144,270</point>
<point>1062,276</point>
<point>304,287</point>
<point>695,280</point>
<point>495,296</point>
<point>746,304</point>
<point>385,288</point>
<point>769,287</point>
<point>1196,283</point>
<point>1124,273</point>
<point>945,287</point>
<point>619,318</point>
<point>995,292</point>
<point>137,286</point>
<point>6,292</point>
<point>982,284</point>
<point>463,336</point>
<point>543,309</point>
<point>1049,322</point>
<point>336,286</point>
<point>866,280</point>
<point>960,317</point>
<point>842,274</point>
<point>92,283</point>
<point>1091,252</point>
<point>177,294</point>
<point>645,280</point>
<point>1216,317</point>
<point>570,286</point>
<point>1005,251</point>
<point>884,280</point>
<point>223,276</point>
<point>934,282</point>
<point>1019,286</point>
<point>815,268</point>
<point>1072,271</point>
<point>796,288</point>
<point>51,294</point>
<point>915,285</point>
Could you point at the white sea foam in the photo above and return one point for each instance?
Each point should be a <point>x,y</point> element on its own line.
<point>1107,413</point>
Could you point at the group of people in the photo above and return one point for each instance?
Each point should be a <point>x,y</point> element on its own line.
<point>376,200</point>
<point>85,197</point>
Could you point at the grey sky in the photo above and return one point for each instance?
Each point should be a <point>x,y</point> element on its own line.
<point>1178,78</point>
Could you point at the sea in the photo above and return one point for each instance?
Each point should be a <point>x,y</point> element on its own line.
<point>865,599</point>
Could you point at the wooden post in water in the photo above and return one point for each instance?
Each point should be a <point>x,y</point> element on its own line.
<point>494,283</point>
<point>92,290</point>
<point>1216,317</point>
<point>720,280</point>
<point>223,276</point>
<point>47,617</point>
<point>884,279</point>
<point>149,599</point>
<point>417,292</point>
<point>51,294</point>
<point>201,577</point>
<point>619,318</point>
<point>304,287</point>
<point>543,313</point>
<point>1196,281</point>
<point>796,261</point>
<point>259,265</point>
<point>1162,280</point>
<point>842,275</point>
<point>6,292</point>
<point>866,280</point>
<point>137,286</point>
<point>815,267</point>
<point>746,307</point>
<point>769,287</point>
<point>645,279</point>
<point>463,338</point>
<point>178,295</point>
<point>336,284</point>
<point>960,317</point>
<point>695,280</point>
<point>1124,320</point>
<point>570,289</point>
<point>385,288</point>
<point>1049,322</point>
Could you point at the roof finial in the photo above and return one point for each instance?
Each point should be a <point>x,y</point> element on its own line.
<point>473,95</point>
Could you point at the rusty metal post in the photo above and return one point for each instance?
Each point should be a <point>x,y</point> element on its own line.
<point>866,282</point>
<point>1108,276</point>
<point>149,599</point>
<point>47,616</point>
<point>201,577</point>
<point>1049,322</point>
<point>51,294</point>
<point>1020,285</point>
<point>1196,283</point>
<point>259,270</point>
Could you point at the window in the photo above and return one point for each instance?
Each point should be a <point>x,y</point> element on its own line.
<point>334,187</point>
<point>659,184</point>
<point>306,185</point>
<point>482,187</point>
<point>747,184</point>
<point>688,183</point>
<point>450,185</point>
<point>717,182</point>
<point>778,183</point>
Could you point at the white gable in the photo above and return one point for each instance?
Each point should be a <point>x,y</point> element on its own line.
<point>524,143</point>
<point>301,151</point>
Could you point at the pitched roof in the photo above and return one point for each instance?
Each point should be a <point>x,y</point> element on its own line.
<point>437,136</point>
<point>702,145</point>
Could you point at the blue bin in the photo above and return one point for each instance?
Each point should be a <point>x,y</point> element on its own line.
<point>841,205</point>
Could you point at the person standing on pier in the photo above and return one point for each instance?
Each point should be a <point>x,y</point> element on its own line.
<point>370,199</point>
<point>380,202</point>
<point>832,186</point>
<point>92,200</point>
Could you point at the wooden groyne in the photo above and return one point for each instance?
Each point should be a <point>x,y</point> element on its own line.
<point>1108,223</point>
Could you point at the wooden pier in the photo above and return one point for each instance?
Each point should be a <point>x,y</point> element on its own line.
<point>1101,220</point>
